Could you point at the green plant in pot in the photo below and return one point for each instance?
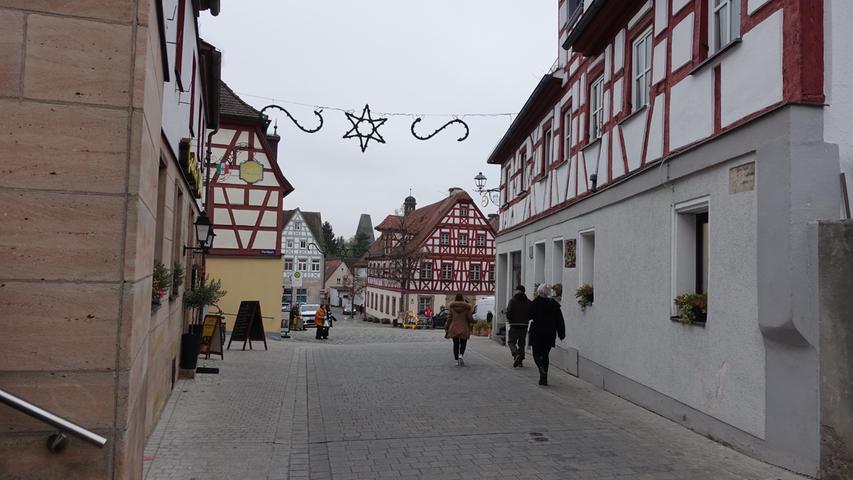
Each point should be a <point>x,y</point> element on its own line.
<point>585,296</point>
<point>161,280</point>
<point>692,307</point>
<point>207,292</point>
<point>177,277</point>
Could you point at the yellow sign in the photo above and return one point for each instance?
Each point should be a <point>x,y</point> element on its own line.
<point>195,176</point>
<point>251,171</point>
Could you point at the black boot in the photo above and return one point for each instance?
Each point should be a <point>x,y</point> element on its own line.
<point>517,362</point>
<point>543,376</point>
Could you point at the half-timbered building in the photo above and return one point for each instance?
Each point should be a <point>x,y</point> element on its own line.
<point>304,257</point>
<point>245,197</point>
<point>684,147</point>
<point>427,255</point>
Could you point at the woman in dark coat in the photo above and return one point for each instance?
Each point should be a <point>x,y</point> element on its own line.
<point>458,326</point>
<point>547,325</point>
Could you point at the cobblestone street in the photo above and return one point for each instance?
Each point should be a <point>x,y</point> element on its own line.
<point>379,402</point>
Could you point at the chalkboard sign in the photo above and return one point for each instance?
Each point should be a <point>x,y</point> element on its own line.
<point>248,326</point>
<point>211,336</point>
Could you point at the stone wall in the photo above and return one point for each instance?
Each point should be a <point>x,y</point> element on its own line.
<point>81,95</point>
<point>835,279</point>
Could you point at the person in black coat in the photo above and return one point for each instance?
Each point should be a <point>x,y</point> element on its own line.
<point>518,316</point>
<point>547,325</point>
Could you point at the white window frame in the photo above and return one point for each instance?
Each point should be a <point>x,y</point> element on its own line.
<point>726,13</point>
<point>302,263</point>
<point>641,70</point>
<point>315,264</point>
<point>567,134</point>
<point>426,271</point>
<point>463,239</point>
<point>463,211</point>
<point>446,275</point>
<point>303,244</point>
<point>547,148</point>
<point>596,108</point>
<point>444,238</point>
<point>288,264</point>
<point>290,244</point>
<point>683,243</point>
<point>476,272</point>
<point>481,240</point>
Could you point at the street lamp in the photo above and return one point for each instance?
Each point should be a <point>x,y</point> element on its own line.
<point>204,234</point>
<point>488,194</point>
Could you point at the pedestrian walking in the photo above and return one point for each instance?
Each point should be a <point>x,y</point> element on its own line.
<point>547,325</point>
<point>330,319</point>
<point>294,318</point>
<point>428,315</point>
<point>458,327</point>
<point>518,317</point>
<point>320,322</point>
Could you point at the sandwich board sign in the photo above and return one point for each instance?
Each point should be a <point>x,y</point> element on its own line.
<point>211,336</point>
<point>248,326</point>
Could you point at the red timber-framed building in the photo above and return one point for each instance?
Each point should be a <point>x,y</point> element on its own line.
<point>428,255</point>
<point>244,202</point>
<point>687,147</point>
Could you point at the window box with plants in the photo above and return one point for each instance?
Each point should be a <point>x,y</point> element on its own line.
<point>692,308</point>
<point>585,296</point>
<point>161,281</point>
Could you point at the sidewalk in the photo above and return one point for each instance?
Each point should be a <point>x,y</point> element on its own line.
<point>381,408</point>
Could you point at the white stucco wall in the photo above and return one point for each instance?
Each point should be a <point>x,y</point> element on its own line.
<point>838,80</point>
<point>718,369</point>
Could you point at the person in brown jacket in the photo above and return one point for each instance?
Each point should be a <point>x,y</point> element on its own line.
<point>458,326</point>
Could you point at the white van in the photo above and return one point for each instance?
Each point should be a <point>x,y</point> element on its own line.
<point>483,306</point>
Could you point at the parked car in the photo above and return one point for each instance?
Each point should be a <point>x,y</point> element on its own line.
<point>439,319</point>
<point>307,312</point>
<point>483,307</point>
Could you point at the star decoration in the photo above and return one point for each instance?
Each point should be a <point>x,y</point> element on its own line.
<point>365,128</point>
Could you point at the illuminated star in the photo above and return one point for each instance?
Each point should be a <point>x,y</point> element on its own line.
<point>365,128</point>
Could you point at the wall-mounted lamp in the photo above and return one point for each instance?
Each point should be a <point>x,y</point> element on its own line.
<point>204,233</point>
<point>488,194</point>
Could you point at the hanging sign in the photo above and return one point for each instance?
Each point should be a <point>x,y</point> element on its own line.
<point>251,171</point>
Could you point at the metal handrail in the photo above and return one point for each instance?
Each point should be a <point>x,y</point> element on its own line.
<point>49,418</point>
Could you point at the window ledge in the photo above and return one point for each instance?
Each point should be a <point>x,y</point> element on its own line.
<point>560,163</point>
<point>592,142</point>
<point>715,56</point>
<point>694,323</point>
<point>633,114</point>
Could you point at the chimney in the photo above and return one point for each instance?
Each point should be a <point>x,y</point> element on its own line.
<point>409,205</point>
<point>454,190</point>
<point>273,141</point>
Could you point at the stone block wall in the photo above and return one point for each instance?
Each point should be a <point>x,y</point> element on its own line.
<point>81,93</point>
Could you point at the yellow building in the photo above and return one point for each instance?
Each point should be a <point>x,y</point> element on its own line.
<point>245,204</point>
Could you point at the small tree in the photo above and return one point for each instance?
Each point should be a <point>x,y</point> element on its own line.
<point>353,286</point>
<point>329,243</point>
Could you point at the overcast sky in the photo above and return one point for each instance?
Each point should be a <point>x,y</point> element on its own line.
<point>436,56</point>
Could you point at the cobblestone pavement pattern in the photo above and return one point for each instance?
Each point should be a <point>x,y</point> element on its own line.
<point>377,402</point>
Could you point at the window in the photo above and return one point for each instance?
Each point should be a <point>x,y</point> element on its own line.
<point>444,238</point>
<point>725,23</point>
<point>423,303</point>
<point>463,211</point>
<point>491,272</point>
<point>387,304</point>
<point>587,258</point>
<point>162,177</point>
<point>303,264</point>
<point>447,272</point>
<point>315,265</point>
<point>303,244</point>
<point>301,295</point>
<point>393,306</point>
<point>546,150</point>
<point>692,235</point>
<point>475,272</point>
<point>463,238</point>
<point>539,263</point>
<point>596,108</point>
<point>179,39</point>
<point>297,225</point>
<point>426,271</point>
<point>642,72</point>
<point>523,168</point>
<point>567,134</point>
<point>290,244</point>
<point>338,280</point>
<point>571,11</point>
<point>481,239</point>
<point>288,264</point>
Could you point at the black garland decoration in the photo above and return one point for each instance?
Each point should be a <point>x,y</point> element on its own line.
<point>306,130</point>
<point>372,125</point>
<point>456,120</point>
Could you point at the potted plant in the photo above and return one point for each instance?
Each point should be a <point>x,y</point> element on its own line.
<point>161,280</point>
<point>482,328</point>
<point>692,308</point>
<point>585,296</point>
<point>204,294</point>
<point>177,278</point>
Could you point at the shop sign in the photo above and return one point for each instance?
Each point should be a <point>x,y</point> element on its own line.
<point>251,171</point>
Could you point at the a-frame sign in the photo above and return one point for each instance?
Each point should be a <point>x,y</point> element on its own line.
<point>248,326</point>
<point>211,336</point>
